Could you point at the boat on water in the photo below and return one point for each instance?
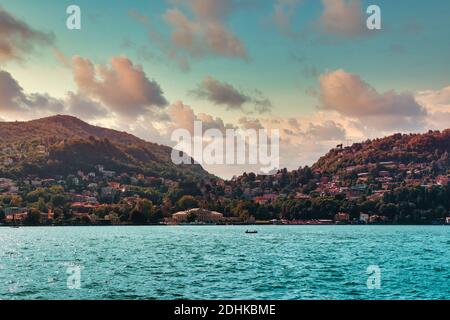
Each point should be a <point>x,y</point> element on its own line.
<point>251,231</point>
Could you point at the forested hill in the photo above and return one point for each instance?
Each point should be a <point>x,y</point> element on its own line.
<point>430,147</point>
<point>64,144</point>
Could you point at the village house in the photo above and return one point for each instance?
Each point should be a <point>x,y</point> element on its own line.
<point>15,214</point>
<point>270,197</point>
<point>8,161</point>
<point>108,191</point>
<point>6,184</point>
<point>36,183</point>
<point>384,173</point>
<point>377,219</point>
<point>302,196</point>
<point>108,174</point>
<point>16,218</point>
<point>442,180</point>
<point>42,150</point>
<point>389,164</point>
<point>260,200</point>
<point>134,181</point>
<point>364,217</point>
<point>342,217</point>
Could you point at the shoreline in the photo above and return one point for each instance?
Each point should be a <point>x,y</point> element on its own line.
<point>223,225</point>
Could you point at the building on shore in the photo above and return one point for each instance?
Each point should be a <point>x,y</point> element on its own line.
<point>197,215</point>
<point>342,217</point>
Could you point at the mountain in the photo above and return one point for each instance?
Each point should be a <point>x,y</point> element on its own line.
<point>429,147</point>
<point>64,144</point>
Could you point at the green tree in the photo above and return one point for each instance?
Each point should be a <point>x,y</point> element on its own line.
<point>142,212</point>
<point>33,218</point>
<point>187,202</point>
<point>16,201</point>
<point>58,200</point>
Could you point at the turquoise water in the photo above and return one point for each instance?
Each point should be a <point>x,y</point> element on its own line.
<point>222,262</point>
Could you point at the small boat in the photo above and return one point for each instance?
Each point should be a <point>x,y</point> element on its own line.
<point>251,231</point>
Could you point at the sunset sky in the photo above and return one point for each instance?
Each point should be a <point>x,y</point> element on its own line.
<point>310,68</point>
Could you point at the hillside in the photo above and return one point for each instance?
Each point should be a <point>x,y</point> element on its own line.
<point>402,148</point>
<point>64,144</point>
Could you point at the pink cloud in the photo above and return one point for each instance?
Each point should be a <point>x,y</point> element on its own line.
<point>343,17</point>
<point>123,87</point>
<point>17,38</point>
<point>352,97</point>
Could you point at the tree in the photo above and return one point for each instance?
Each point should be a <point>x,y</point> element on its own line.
<point>6,200</point>
<point>57,200</point>
<point>187,202</point>
<point>389,210</point>
<point>2,214</point>
<point>142,212</point>
<point>16,201</point>
<point>33,217</point>
<point>137,217</point>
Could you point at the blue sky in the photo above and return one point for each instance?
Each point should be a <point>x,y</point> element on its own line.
<point>409,55</point>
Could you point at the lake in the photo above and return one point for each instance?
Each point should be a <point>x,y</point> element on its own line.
<point>222,262</point>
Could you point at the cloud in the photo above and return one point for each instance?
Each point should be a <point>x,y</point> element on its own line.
<point>207,33</point>
<point>183,116</point>
<point>250,123</point>
<point>209,122</point>
<point>438,120</point>
<point>198,29</point>
<point>84,107</point>
<point>343,18</point>
<point>303,139</point>
<point>435,100</point>
<point>11,93</point>
<point>225,94</point>
<point>15,103</point>
<point>327,131</point>
<point>283,13</point>
<point>123,87</point>
<point>13,99</point>
<point>158,40</point>
<point>437,104</point>
<point>17,38</point>
<point>221,93</point>
<point>350,96</point>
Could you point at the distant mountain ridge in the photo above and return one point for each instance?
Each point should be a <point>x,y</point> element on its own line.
<point>401,148</point>
<point>64,144</point>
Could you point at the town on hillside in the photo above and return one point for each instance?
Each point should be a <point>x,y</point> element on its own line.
<point>387,192</point>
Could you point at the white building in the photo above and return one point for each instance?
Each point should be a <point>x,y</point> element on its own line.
<point>364,217</point>
<point>201,215</point>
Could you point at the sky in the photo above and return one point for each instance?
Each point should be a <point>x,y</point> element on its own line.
<point>310,68</point>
